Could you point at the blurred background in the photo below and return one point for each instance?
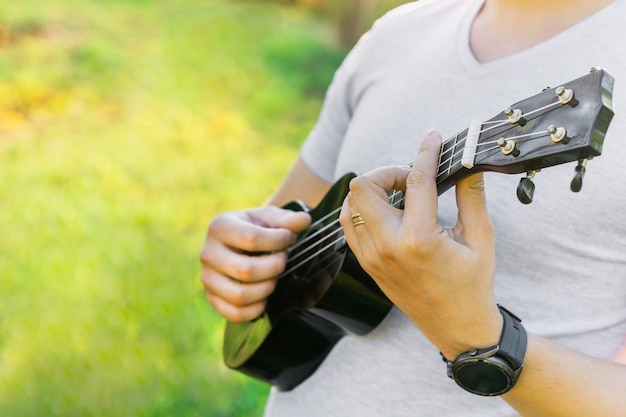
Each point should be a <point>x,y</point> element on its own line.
<point>125,126</point>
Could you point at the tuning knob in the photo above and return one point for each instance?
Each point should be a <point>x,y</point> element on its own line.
<point>577,182</point>
<point>526,188</point>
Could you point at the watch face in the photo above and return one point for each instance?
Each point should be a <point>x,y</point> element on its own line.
<point>483,378</point>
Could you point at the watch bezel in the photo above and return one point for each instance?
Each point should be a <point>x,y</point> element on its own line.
<point>487,369</point>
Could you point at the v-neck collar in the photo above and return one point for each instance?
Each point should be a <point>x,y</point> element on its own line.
<point>477,68</point>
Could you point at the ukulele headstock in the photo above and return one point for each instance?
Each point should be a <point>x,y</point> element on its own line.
<point>559,125</point>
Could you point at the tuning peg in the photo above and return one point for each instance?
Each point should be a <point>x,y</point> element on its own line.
<point>557,134</point>
<point>565,95</point>
<point>526,188</point>
<point>577,182</point>
<point>514,115</point>
<point>508,147</point>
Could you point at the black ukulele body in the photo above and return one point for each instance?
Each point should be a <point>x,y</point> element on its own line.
<point>313,306</point>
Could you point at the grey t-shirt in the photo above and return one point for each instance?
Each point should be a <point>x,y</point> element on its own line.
<point>561,261</point>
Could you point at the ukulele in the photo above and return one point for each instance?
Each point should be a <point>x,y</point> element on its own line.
<point>324,294</point>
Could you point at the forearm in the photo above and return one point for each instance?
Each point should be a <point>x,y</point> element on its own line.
<point>557,381</point>
<point>300,184</point>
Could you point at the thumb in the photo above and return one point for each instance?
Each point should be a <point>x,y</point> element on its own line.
<point>276,217</point>
<point>472,204</point>
<point>296,221</point>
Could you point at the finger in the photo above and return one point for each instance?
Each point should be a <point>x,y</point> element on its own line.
<point>236,293</point>
<point>276,217</point>
<point>348,209</point>
<point>376,236</point>
<point>236,314</point>
<point>241,266</point>
<point>378,183</point>
<point>369,195</point>
<point>473,220</point>
<point>420,204</point>
<point>262,230</point>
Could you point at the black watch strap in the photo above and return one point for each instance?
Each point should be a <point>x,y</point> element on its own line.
<point>513,340</point>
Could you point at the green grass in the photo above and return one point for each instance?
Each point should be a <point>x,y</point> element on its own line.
<point>124,127</point>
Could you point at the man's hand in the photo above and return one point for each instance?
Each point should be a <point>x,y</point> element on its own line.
<point>442,278</point>
<point>243,253</point>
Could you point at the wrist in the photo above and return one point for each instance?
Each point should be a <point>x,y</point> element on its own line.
<point>493,370</point>
<point>482,331</point>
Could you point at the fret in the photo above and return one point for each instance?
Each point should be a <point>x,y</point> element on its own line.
<point>449,156</point>
<point>396,198</point>
<point>456,139</point>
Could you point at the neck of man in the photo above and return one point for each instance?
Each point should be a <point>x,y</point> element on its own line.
<point>505,27</point>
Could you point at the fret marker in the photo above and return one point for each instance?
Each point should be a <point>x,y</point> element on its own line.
<point>469,151</point>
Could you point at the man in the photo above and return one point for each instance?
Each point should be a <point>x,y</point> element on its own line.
<point>558,264</point>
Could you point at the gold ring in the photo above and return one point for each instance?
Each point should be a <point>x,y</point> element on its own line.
<point>357,219</point>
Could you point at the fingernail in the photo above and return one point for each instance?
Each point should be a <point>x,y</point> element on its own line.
<point>433,135</point>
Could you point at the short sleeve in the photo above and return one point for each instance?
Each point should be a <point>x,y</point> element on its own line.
<point>320,149</point>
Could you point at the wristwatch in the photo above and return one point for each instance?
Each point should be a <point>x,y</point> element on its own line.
<point>494,370</point>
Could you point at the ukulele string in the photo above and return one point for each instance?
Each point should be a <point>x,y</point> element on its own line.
<point>338,209</point>
<point>451,158</point>
<point>495,124</point>
<point>441,164</point>
<point>315,254</point>
<point>326,258</point>
<point>338,230</point>
<point>326,249</point>
<point>323,229</point>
